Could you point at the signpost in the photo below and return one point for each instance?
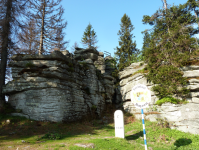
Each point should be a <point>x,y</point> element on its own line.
<point>141,96</point>
<point>119,123</point>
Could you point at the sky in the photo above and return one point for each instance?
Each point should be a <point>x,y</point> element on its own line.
<point>105,18</point>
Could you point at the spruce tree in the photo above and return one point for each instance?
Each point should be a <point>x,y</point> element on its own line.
<point>171,47</point>
<point>60,43</point>
<point>48,16</point>
<point>89,37</point>
<point>127,52</point>
<point>146,42</point>
<point>29,38</point>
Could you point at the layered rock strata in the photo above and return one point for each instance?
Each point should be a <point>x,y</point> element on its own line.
<point>57,87</point>
<point>182,117</point>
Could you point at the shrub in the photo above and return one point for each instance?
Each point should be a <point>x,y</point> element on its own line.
<point>29,64</point>
<point>71,69</point>
<point>52,136</point>
<point>171,100</point>
<point>141,64</point>
<point>94,107</point>
<point>98,73</point>
<point>85,65</point>
<point>70,64</point>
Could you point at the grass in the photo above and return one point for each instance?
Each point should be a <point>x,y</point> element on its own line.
<point>21,133</point>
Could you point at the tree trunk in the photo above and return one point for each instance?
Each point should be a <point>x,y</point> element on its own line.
<point>42,30</point>
<point>4,52</point>
<point>165,6</point>
<point>198,24</point>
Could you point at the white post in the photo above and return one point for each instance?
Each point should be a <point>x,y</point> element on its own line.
<point>119,124</point>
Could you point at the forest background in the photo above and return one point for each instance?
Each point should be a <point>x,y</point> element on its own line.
<point>39,27</point>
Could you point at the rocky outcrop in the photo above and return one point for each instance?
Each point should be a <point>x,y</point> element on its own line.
<point>181,116</point>
<point>57,87</point>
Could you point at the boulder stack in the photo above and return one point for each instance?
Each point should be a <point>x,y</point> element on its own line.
<point>59,87</point>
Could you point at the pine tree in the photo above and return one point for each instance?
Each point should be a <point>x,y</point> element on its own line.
<point>48,17</point>
<point>171,46</point>
<point>127,52</point>
<point>89,37</point>
<point>194,5</point>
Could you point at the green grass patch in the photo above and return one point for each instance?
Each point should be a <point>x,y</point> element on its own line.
<point>20,133</point>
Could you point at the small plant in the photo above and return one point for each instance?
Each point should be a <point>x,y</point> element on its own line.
<point>94,107</point>
<point>162,122</point>
<point>171,100</point>
<point>141,64</point>
<point>71,69</point>
<point>70,64</point>
<point>52,136</point>
<point>29,64</point>
<point>82,58</point>
<point>140,71</point>
<point>18,110</point>
<point>128,114</point>
<point>98,73</point>
<point>85,65</point>
<point>154,108</point>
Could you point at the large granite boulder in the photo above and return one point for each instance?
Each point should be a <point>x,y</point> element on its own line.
<point>182,116</point>
<point>89,53</point>
<point>57,87</point>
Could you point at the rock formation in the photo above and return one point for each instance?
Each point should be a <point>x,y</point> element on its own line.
<point>59,87</point>
<point>183,117</point>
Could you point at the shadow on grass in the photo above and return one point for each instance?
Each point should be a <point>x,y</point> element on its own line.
<point>19,128</point>
<point>135,136</point>
<point>182,142</point>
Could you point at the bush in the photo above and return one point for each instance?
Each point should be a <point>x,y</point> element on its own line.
<point>94,107</point>
<point>171,100</point>
<point>52,136</point>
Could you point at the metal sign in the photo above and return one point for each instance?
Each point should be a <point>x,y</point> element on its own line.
<point>140,96</point>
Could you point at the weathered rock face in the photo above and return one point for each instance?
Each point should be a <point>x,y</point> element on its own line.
<point>182,117</point>
<point>57,87</point>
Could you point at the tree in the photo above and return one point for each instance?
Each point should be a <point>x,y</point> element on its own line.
<point>73,47</point>
<point>28,39</point>
<point>5,42</point>
<point>89,37</point>
<point>194,5</point>
<point>145,44</point>
<point>127,52</point>
<point>10,13</point>
<point>49,22</point>
<point>59,38</point>
<point>171,46</point>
